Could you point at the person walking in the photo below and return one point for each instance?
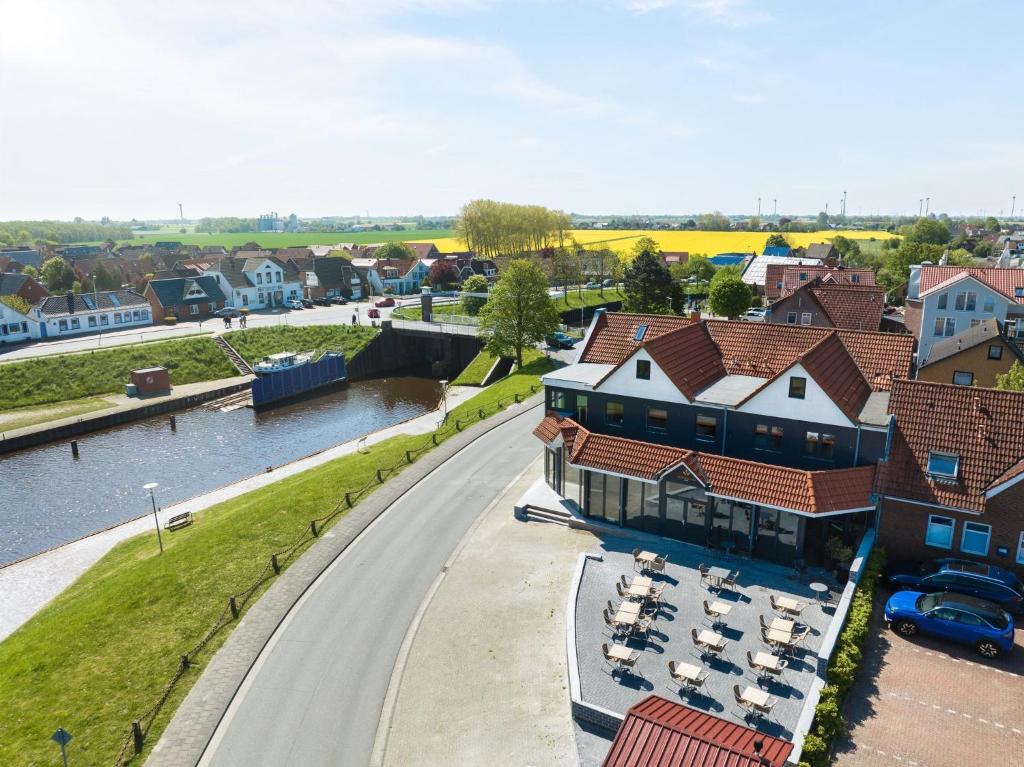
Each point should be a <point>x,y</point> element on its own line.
<point>353,318</point>
<point>241,320</point>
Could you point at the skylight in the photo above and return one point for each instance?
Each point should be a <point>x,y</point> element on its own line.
<point>943,465</point>
<point>640,331</point>
<point>89,303</point>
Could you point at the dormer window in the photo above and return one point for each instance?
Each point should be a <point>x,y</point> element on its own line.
<point>943,465</point>
<point>855,278</point>
<point>803,276</point>
<point>1018,292</point>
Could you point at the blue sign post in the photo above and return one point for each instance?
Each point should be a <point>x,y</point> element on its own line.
<point>62,737</point>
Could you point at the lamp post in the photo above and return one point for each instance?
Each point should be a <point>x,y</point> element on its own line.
<point>151,486</point>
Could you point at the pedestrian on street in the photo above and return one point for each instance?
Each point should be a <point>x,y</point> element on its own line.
<point>353,318</point>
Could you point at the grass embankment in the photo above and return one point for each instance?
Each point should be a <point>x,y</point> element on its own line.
<point>438,310</point>
<point>36,414</point>
<point>476,371</point>
<point>256,343</point>
<point>577,299</point>
<point>104,371</point>
<point>100,654</point>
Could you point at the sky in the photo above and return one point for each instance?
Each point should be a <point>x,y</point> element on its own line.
<point>402,107</point>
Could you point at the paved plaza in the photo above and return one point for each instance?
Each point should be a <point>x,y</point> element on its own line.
<point>670,639</point>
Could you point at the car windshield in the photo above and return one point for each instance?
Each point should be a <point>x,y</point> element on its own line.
<point>928,602</point>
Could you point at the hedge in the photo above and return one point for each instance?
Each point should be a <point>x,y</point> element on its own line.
<point>842,669</point>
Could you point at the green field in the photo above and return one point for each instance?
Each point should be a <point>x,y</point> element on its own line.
<point>100,654</point>
<point>104,371</point>
<point>284,240</point>
<point>475,372</point>
<point>256,343</point>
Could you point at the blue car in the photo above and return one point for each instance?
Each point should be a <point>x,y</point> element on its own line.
<point>561,341</point>
<point>975,579</point>
<point>959,618</point>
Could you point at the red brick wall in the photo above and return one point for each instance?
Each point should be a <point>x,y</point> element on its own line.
<point>902,528</point>
<point>32,291</point>
<point>799,303</point>
<point>912,317</point>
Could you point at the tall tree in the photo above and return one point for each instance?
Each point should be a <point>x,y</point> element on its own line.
<point>520,312</point>
<point>1013,379</point>
<point>104,278</point>
<point>504,230</point>
<point>476,283</point>
<point>566,269</point>
<point>729,296</point>
<point>394,249</point>
<point>647,283</point>
<point>776,241</point>
<point>443,274</point>
<point>57,275</point>
<point>929,231</point>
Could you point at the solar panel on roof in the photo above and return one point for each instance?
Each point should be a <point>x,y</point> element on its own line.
<point>640,331</point>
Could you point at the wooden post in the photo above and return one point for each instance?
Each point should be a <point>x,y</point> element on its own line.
<point>174,423</point>
<point>312,527</point>
<point>74,448</point>
<point>274,562</point>
<point>348,500</point>
<point>184,661</point>
<point>234,607</point>
<point>137,735</point>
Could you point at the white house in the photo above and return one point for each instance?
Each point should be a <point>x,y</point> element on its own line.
<point>77,313</point>
<point>256,282</point>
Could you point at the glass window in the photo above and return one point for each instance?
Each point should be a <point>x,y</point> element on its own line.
<point>767,437</point>
<point>259,278</point>
<point>966,301</point>
<point>791,318</point>
<point>75,324</point>
<point>557,400</point>
<point>643,369</point>
<point>657,419</point>
<point>778,284</point>
<point>803,276</point>
<point>707,427</point>
<point>595,497</point>
<point>145,314</point>
<point>104,319</point>
<point>797,387</point>
<point>943,299</point>
<point>92,321</point>
<point>279,276</point>
<point>989,304</point>
<point>63,324</point>
<point>614,413</point>
<point>193,309</point>
<point>995,352</point>
<point>944,326</point>
<point>963,378</point>
<point>975,538</point>
<point>805,318</point>
<point>136,315</point>
<point>943,464</point>
<point>612,498</point>
<point>939,532</point>
<point>1018,292</point>
<point>634,502</point>
<point>570,480</point>
<point>117,318</point>
<point>581,408</point>
<point>854,278</point>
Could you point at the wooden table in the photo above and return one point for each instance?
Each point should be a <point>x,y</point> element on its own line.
<point>688,671</point>
<point>642,580</point>
<point>719,574</point>
<point>755,696</point>
<point>633,608</point>
<point>782,624</point>
<point>788,604</point>
<point>619,652</point>
<point>766,660</point>
<point>625,618</point>
<point>722,608</point>
<point>784,638</point>
<point>711,639</point>
<point>646,557</point>
<point>638,591</point>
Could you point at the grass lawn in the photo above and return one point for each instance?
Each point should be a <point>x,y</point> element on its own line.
<point>30,416</point>
<point>65,377</point>
<point>475,372</point>
<point>256,343</point>
<point>577,299</point>
<point>101,653</point>
<point>287,239</point>
<point>438,310</point>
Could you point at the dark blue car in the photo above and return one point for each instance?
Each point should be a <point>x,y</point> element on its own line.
<point>959,618</point>
<point>975,579</point>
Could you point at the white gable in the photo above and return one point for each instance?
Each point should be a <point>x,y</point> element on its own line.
<point>774,400</point>
<point>624,383</point>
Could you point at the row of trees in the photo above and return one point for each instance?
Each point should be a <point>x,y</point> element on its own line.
<point>32,233</point>
<point>504,230</point>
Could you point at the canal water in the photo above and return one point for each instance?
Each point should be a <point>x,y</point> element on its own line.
<point>48,498</point>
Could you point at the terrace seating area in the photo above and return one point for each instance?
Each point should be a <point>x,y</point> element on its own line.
<point>734,637</point>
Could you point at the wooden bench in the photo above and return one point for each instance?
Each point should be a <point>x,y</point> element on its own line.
<point>178,521</point>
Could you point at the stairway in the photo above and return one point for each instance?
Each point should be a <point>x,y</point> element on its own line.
<point>560,517</point>
<point>236,359</point>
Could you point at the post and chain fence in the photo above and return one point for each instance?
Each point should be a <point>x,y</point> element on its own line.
<point>449,426</point>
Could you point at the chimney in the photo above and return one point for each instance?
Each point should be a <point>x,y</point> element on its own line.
<point>71,302</point>
<point>695,316</point>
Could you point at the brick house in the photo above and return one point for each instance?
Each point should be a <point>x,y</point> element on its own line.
<point>783,279</point>
<point>951,482</point>
<point>830,305</point>
<point>184,297</point>
<point>973,357</point>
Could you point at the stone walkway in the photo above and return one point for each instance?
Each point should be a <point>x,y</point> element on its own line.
<point>484,680</point>
<point>28,585</point>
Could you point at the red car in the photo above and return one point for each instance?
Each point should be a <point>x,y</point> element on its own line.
<point>373,314</point>
<point>386,301</point>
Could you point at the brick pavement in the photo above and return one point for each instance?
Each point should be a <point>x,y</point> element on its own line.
<point>923,702</point>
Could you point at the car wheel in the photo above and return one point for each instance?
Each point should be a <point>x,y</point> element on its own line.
<point>988,649</point>
<point>905,628</point>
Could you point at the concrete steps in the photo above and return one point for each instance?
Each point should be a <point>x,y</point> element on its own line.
<point>236,359</point>
<point>559,517</point>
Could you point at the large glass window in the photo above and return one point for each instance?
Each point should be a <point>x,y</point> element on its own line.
<point>975,538</point>
<point>707,427</point>
<point>634,502</point>
<point>571,481</point>
<point>805,318</point>
<point>819,444</point>
<point>595,497</point>
<point>557,400</point>
<point>966,301</point>
<point>612,499</point>
<point>797,387</point>
<point>944,326</point>
<point>767,437</point>
<point>614,413</point>
<point>963,378</point>
<point>939,532</point>
<point>943,301</point>
<point>989,305</point>
<point>581,408</point>
<point>657,419</point>
<point>995,352</point>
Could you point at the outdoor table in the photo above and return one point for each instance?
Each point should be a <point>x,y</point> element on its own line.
<point>766,660</point>
<point>719,573</point>
<point>711,639</point>
<point>630,607</point>
<point>646,557</point>
<point>781,624</point>
<point>820,590</point>
<point>638,591</point>
<point>788,603</point>
<point>755,696</point>
<point>625,618</point>
<point>642,580</point>
<point>619,652</point>
<point>688,671</point>
<point>721,608</point>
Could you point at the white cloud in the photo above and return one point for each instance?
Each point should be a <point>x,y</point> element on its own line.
<point>731,13</point>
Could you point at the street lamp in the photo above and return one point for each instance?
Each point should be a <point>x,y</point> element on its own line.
<point>151,486</point>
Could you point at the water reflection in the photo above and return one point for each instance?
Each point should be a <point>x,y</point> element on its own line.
<point>47,498</point>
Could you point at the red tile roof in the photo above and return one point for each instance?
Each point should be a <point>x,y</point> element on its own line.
<point>613,337</point>
<point>852,307</point>
<point>809,492</point>
<point>661,733</point>
<point>830,364</point>
<point>982,426</point>
<point>1004,281</point>
<point>789,276</point>
<point>881,357</point>
<point>688,357</point>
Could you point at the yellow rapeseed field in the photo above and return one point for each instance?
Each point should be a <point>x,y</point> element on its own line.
<point>691,242</point>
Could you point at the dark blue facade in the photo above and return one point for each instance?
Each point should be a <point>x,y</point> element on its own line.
<point>734,434</point>
<point>272,387</point>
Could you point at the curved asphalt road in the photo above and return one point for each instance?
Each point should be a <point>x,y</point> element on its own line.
<point>314,696</point>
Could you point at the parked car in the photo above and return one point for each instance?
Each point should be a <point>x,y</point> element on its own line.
<point>756,314</point>
<point>988,582</point>
<point>608,283</point>
<point>956,617</point>
<point>386,301</point>
<point>561,341</point>
<point>373,314</point>
<point>227,311</point>
<point>307,302</point>
<point>592,285</point>
<point>339,300</point>
<point>322,301</point>
<point>293,303</point>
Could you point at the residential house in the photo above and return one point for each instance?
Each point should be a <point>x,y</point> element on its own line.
<point>783,279</point>
<point>823,251</point>
<point>468,264</point>
<point>394,275</point>
<point>662,733</point>
<point>328,277</point>
<point>74,252</point>
<point>669,258</point>
<point>973,357</point>
<point>831,305</point>
<point>777,251</point>
<point>257,281</point>
<point>950,485</point>
<point>184,297</point>
<point>13,284</point>
<point>945,300</point>
<point>756,271</point>
<point>755,436</point>
<point>77,313</point>
<point>23,255</point>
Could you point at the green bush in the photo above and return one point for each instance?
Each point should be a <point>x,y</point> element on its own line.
<point>842,669</point>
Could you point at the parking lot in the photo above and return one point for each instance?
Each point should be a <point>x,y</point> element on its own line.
<point>924,702</point>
